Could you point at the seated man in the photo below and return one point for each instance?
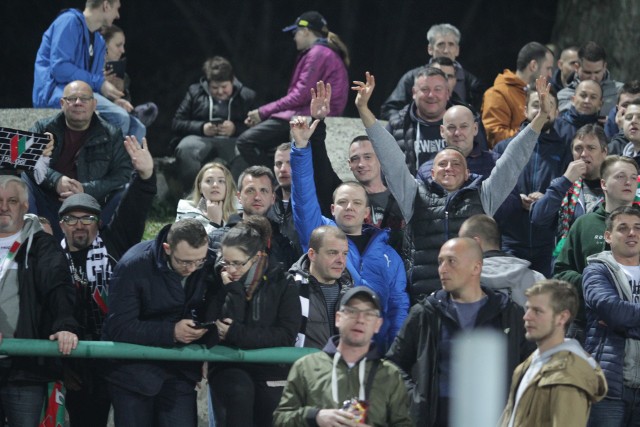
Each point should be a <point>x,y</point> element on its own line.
<point>209,119</point>
<point>321,278</point>
<point>92,249</point>
<point>323,56</point>
<point>36,302</point>
<point>500,271</point>
<point>435,210</point>
<point>503,103</point>
<point>584,109</point>
<point>88,157</point>
<point>156,297</point>
<point>443,42</point>
<point>371,260</point>
<point>72,49</point>
<point>309,400</point>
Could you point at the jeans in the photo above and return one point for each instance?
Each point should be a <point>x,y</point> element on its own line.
<point>119,118</point>
<point>239,400</point>
<point>256,144</point>
<point>617,412</point>
<point>22,404</point>
<point>173,406</point>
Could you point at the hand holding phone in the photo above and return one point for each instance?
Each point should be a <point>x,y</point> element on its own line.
<point>216,121</point>
<point>203,325</point>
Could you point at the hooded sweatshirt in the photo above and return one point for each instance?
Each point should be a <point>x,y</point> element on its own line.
<point>503,107</point>
<point>508,274</point>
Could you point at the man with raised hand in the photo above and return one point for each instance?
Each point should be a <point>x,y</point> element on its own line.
<point>435,210</point>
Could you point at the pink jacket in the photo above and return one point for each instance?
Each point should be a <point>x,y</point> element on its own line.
<point>317,63</point>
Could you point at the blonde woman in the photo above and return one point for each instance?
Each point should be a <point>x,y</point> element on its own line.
<point>213,199</point>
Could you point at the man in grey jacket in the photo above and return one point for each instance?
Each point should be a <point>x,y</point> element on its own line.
<point>435,210</point>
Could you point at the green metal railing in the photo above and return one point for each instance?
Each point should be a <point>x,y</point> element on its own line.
<point>118,350</point>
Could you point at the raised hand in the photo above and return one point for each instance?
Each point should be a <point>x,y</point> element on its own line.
<point>364,89</point>
<point>320,100</point>
<point>542,87</point>
<point>140,156</point>
<point>301,131</point>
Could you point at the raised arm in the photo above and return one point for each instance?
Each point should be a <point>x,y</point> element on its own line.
<point>400,182</point>
<point>504,175</point>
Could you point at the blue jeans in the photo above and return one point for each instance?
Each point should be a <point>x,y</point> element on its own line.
<point>119,118</point>
<point>22,404</point>
<point>174,406</point>
<point>623,412</point>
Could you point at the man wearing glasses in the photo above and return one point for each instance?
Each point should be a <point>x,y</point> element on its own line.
<point>88,157</point>
<point>92,249</point>
<point>156,298</point>
<point>347,383</point>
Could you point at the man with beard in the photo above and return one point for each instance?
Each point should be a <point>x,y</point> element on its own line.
<point>92,251</point>
<point>559,374</point>
<point>504,102</point>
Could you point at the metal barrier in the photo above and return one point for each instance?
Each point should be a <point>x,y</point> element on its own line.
<point>119,350</point>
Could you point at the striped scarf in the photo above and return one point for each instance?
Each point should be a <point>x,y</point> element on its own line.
<point>567,209</point>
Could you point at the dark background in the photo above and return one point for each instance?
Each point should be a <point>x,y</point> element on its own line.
<point>168,40</point>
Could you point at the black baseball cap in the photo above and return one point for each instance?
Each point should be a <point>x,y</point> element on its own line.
<point>361,291</point>
<point>311,20</point>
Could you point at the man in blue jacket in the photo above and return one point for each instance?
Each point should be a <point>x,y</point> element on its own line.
<point>611,287</point>
<point>73,49</point>
<point>371,261</point>
<point>156,298</point>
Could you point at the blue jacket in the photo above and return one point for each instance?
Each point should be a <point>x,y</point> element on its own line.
<point>379,267</point>
<point>569,121</point>
<point>612,319</point>
<point>63,57</point>
<point>146,300</point>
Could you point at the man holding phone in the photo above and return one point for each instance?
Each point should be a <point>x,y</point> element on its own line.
<point>156,298</point>
<point>209,119</point>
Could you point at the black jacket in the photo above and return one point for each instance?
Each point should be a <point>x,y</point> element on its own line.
<point>271,318</point>
<point>418,344</point>
<point>46,300</point>
<point>198,107</point>
<point>103,164</point>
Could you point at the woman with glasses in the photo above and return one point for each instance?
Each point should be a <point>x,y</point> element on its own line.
<point>254,306</point>
<point>213,198</point>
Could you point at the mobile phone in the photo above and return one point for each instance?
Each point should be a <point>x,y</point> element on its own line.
<point>203,325</point>
<point>118,67</point>
<point>216,121</point>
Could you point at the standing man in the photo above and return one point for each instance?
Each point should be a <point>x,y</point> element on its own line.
<point>92,249</point>
<point>619,176</point>
<point>558,383</point>
<point>371,260</point>
<point>36,301</point>
<point>435,210</point>
<point>504,102</point>
<point>156,298</point>
<point>611,285</point>
<point>72,48</point>
<point>322,279</point>
<point>422,348</point>
<point>592,65</point>
<point>88,157</point>
<point>567,66</point>
<point>348,370</point>
<point>443,42</point>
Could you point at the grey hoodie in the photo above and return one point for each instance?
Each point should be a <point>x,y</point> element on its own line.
<point>510,275</point>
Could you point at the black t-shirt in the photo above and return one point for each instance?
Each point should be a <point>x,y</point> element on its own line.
<point>360,241</point>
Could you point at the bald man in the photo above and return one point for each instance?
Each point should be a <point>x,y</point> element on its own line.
<point>585,109</point>
<point>88,157</point>
<point>460,129</point>
<point>427,335</point>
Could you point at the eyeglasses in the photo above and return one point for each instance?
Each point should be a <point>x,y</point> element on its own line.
<point>236,265</point>
<point>354,313</point>
<point>198,263</point>
<point>84,220</point>
<point>74,99</point>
